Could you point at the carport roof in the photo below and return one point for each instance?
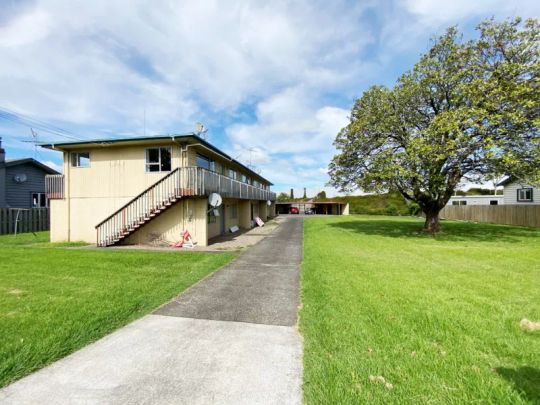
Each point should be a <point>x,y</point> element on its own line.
<point>311,202</point>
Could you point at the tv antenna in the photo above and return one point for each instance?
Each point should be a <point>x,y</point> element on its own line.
<point>34,141</point>
<point>251,150</point>
<point>201,130</point>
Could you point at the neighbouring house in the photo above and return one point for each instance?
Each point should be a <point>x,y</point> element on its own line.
<point>476,200</point>
<point>22,182</point>
<point>150,190</point>
<point>519,193</point>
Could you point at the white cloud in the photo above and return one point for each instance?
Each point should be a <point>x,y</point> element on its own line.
<point>436,12</point>
<point>103,63</point>
<point>288,122</point>
<point>278,77</point>
<point>54,165</point>
<point>295,134</point>
<point>26,29</point>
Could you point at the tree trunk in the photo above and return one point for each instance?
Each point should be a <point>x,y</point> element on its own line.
<point>432,224</point>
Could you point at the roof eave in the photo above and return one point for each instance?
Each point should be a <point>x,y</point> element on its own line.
<point>66,146</point>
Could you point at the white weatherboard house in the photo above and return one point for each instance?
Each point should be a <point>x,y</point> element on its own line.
<point>476,200</point>
<point>519,193</point>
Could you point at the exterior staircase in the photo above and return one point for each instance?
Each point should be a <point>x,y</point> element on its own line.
<point>148,205</point>
<point>182,182</point>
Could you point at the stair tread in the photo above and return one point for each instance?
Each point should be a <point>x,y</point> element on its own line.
<point>136,224</point>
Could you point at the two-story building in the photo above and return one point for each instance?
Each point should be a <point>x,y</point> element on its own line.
<point>143,190</point>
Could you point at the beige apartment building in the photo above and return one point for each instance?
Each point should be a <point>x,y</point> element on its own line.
<point>148,190</point>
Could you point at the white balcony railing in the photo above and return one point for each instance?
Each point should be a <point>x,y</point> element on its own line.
<point>54,186</point>
<point>180,183</point>
<point>199,181</point>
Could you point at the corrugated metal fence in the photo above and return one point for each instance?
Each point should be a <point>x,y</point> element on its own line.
<point>523,215</point>
<point>27,220</point>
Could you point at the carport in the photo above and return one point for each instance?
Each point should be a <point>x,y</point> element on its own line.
<point>331,208</point>
<point>320,207</point>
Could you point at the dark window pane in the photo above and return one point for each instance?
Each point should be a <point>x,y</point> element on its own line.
<point>165,159</point>
<point>152,155</point>
<point>204,162</point>
<point>152,168</point>
<point>80,159</point>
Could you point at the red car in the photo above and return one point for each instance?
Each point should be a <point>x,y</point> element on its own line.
<point>294,210</point>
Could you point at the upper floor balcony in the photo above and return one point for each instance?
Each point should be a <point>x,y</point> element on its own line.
<point>184,182</point>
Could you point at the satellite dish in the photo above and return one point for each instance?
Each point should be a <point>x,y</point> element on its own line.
<point>214,200</point>
<point>269,203</point>
<point>20,178</point>
<point>201,130</point>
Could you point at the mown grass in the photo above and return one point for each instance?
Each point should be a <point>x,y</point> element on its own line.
<point>436,317</point>
<point>54,301</point>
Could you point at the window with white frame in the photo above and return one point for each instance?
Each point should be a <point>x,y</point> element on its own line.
<point>158,159</point>
<point>80,159</point>
<point>525,194</point>
<point>39,200</point>
<point>205,163</point>
<point>232,174</point>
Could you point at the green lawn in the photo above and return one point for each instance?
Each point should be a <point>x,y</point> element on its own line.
<point>436,317</point>
<point>54,300</point>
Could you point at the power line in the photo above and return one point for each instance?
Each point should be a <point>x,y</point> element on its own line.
<point>30,122</point>
<point>44,123</point>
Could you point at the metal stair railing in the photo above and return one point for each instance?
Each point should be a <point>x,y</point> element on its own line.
<point>181,182</point>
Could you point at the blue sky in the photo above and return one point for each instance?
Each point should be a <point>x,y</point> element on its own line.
<point>273,81</point>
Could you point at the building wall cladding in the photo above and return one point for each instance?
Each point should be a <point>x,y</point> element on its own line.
<point>19,195</point>
<point>186,215</point>
<point>114,177</point>
<point>510,194</point>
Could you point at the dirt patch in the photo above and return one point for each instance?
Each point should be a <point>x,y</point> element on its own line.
<point>529,326</point>
<point>15,291</point>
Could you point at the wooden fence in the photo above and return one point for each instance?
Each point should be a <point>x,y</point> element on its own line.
<point>27,220</point>
<point>522,215</point>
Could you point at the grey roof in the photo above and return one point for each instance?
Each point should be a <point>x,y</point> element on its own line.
<point>506,181</point>
<point>111,141</point>
<point>16,162</point>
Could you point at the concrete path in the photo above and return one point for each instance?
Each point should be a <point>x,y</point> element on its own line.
<point>230,339</point>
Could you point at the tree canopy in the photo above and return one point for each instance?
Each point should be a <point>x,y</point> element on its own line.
<point>468,110</point>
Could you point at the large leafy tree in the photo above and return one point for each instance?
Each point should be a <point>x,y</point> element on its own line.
<point>468,110</point>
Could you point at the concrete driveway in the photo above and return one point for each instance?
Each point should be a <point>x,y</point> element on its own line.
<point>230,339</point>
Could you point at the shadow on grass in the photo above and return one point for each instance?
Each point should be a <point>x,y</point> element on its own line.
<point>526,381</point>
<point>451,231</point>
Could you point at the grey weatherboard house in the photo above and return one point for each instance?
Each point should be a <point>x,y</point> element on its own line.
<point>517,192</point>
<point>22,182</point>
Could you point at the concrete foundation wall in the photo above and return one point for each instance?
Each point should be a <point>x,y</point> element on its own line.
<point>263,210</point>
<point>244,214</point>
<point>59,228</point>
<point>272,210</point>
